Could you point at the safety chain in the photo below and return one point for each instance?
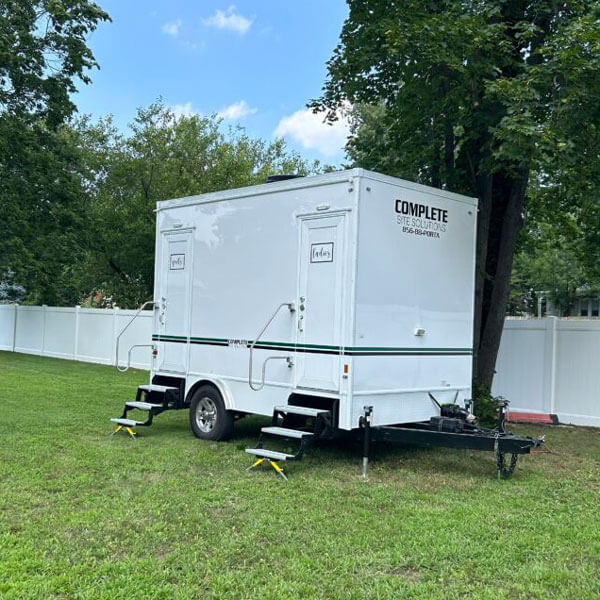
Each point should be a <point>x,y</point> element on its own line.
<point>505,472</point>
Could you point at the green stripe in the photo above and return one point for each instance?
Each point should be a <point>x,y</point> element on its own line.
<point>160,337</point>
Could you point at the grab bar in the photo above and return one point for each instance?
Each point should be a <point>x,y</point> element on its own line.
<point>140,309</point>
<point>292,308</point>
<point>129,355</point>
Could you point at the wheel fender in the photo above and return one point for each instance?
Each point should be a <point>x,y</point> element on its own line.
<point>225,392</point>
<point>219,384</point>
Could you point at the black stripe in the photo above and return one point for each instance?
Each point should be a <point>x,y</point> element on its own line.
<point>344,352</point>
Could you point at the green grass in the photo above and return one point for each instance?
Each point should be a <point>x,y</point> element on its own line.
<point>85,515</point>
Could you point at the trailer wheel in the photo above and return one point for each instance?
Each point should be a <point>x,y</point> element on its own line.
<point>209,419</point>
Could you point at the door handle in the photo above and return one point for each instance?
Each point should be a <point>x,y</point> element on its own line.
<point>301,309</point>
<point>163,308</point>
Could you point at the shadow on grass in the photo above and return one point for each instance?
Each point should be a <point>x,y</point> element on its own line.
<point>348,450</point>
<point>344,452</point>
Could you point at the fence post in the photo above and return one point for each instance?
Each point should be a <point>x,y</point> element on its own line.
<point>76,341</point>
<point>553,365</point>
<point>14,344</point>
<point>44,307</point>
<point>115,333</point>
<point>549,384</point>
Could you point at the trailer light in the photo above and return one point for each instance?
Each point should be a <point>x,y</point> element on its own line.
<point>346,369</point>
<point>154,351</point>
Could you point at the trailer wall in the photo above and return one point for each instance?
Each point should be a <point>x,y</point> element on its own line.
<point>414,300</point>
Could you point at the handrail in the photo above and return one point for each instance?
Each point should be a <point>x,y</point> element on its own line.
<point>129,355</point>
<point>292,307</point>
<point>140,309</point>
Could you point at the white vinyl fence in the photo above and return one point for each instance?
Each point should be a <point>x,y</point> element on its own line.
<point>551,366</point>
<point>545,365</point>
<point>87,334</point>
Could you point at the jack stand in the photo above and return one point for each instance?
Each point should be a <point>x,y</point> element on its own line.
<point>365,423</point>
<point>260,461</point>
<point>130,431</point>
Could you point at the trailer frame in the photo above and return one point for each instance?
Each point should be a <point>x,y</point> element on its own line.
<point>437,433</point>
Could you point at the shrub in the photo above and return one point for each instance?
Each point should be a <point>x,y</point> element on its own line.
<point>485,406</point>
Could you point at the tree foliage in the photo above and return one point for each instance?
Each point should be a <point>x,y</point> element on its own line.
<point>479,97</point>
<point>43,53</point>
<point>549,264</point>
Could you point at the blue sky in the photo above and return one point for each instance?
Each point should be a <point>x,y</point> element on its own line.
<point>255,63</point>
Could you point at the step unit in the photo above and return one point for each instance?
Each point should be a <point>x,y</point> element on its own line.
<point>152,399</point>
<point>321,427</point>
<point>304,411</point>
<point>126,422</point>
<point>287,433</point>
<point>153,387</point>
<point>142,405</point>
<point>262,453</point>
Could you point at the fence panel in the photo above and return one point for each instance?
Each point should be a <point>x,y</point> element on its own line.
<point>7,326</point>
<point>29,337</point>
<point>76,333</point>
<point>59,332</point>
<point>96,335</point>
<point>577,372</point>
<point>550,366</point>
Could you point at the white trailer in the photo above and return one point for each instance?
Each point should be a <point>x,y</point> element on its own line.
<point>312,297</point>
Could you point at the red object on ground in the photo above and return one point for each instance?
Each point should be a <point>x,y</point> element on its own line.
<point>525,417</point>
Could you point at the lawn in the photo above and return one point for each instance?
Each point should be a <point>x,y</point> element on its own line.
<point>86,515</point>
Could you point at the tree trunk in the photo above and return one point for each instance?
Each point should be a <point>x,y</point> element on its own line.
<point>484,192</point>
<point>509,222</point>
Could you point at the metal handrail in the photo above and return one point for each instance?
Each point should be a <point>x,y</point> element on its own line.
<point>129,355</point>
<point>292,307</point>
<point>140,309</point>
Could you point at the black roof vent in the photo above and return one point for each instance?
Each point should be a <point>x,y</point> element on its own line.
<point>276,178</point>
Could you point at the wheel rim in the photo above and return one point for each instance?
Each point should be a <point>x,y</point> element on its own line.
<point>206,414</point>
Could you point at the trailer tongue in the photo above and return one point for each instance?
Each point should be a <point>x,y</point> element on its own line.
<point>452,432</point>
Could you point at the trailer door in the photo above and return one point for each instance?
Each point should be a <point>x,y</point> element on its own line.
<point>320,302</point>
<point>174,301</point>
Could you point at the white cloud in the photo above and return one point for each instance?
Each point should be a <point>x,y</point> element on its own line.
<point>311,131</point>
<point>172,28</point>
<point>229,19</point>
<point>237,110</point>
<point>183,110</point>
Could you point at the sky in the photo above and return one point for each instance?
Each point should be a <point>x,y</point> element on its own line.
<point>255,63</point>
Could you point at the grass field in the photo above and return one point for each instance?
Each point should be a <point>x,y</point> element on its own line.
<point>85,515</point>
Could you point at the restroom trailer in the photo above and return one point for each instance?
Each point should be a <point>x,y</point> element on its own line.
<point>331,303</point>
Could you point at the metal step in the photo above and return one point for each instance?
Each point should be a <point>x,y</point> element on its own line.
<point>142,405</point>
<point>126,422</point>
<point>301,410</point>
<point>288,433</point>
<point>261,452</point>
<point>152,387</point>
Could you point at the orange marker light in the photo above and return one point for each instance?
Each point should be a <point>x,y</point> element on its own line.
<point>346,369</point>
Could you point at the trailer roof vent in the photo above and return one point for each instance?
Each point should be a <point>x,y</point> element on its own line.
<point>276,178</point>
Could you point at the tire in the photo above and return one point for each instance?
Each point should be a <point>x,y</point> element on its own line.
<point>209,419</point>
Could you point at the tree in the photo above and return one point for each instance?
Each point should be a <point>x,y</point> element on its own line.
<point>474,96</point>
<point>164,157</point>
<point>42,55</point>
<point>549,265</point>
